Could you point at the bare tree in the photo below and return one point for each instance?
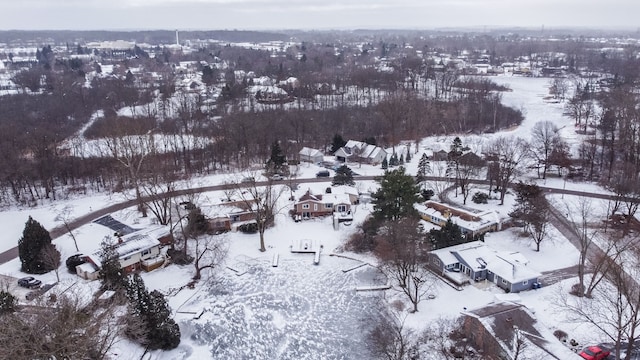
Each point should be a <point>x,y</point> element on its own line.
<point>579,219</point>
<point>614,308</point>
<point>72,329</point>
<point>131,151</point>
<point>263,201</point>
<point>65,216</point>
<point>50,257</point>
<point>158,190</point>
<point>398,246</point>
<point>209,252</point>
<point>511,158</point>
<point>390,339</point>
<point>543,137</point>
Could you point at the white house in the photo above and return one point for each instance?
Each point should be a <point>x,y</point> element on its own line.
<point>311,155</point>
<point>133,250</point>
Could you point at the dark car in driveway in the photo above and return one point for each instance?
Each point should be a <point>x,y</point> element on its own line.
<point>29,282</point>
<point>323,173</point>
<point>596,352</point>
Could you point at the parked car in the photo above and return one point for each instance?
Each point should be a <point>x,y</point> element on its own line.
<point>277,177</point>
<point>248,179</point>
<point>596,352</point>
<point>323,173</point>
<point>29,282</point>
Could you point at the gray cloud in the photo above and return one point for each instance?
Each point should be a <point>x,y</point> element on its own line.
<point>309,14</point>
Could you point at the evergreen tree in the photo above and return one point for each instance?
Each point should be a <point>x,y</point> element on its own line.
<point>393,161</point>
<point>277,161</point>
<point>8,302</point>
<point>164,333</point>
<point>401,161</point>
<point>396,196</point>
<point>34,239</point>
<point>449,235</point>
<point>385,163</point>
<point>424,168</point>
<point>337,142</point>
<point>112,275</point>
<point>150,317</point>
<point>408,157</point>
<point>344,176</point>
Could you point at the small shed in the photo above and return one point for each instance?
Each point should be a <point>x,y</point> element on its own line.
<point>88,271</point>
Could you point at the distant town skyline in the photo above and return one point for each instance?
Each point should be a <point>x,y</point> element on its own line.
<point>314,14</point>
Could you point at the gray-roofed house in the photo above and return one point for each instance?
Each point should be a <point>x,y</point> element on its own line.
<point>360,152</point>
<point>495,329</point>
<point>475,261</point>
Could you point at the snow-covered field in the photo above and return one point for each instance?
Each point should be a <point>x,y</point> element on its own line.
<point>298,310</point>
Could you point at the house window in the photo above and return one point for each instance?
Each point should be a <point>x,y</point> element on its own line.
<point>315,207</point>
<point>342,208</point>
<point>436,261</point>
<point>305,206</point>
<point>328,206</point>
<point>525,282</point>
<point>145,252</point>
<point>126,258</point>
<point>504,281</point>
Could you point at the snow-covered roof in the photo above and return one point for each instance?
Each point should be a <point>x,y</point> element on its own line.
<point>305,151</point>
<point>511,266</point>
<point>463,218</point>
<point>134,243</point>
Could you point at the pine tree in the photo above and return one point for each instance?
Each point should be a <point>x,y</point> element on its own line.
<point>164,333</point>
<point>34,239</point>
<point>385,163</point>
<point>401,161</point>
<point>113,276</point>
<point>396,196</point>
<point>344,176</point>
<point>424,168</point>
<point>277,160</point>
<point>408,157</point>
<point>150,317</point>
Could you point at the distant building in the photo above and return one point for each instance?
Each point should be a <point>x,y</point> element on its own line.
<point>313,156</point>
<point>361,152</point>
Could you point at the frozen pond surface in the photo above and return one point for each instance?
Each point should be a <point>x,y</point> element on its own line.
<point>293,311</point>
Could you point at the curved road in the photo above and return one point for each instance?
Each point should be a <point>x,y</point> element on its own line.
<point>87,218</point>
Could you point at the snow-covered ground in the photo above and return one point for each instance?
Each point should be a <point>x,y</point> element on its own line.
<point>298,310</point>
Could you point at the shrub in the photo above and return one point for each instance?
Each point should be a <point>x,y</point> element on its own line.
<point>480,198</point>
<point>427,194</point>
<point>249,228</point>
<point>8,302</point>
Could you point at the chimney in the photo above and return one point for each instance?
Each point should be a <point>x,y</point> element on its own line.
<point>177,38</point>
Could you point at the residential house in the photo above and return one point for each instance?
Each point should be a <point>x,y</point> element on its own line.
<point>440,155</point>
<point>475,261</point>
<point>317,205</point>
<point>471,224</point>
<point>496,327</point>
<point>133,250</point>
<point>228,216</point>
<point>361,152</point>
<point>313,156</point>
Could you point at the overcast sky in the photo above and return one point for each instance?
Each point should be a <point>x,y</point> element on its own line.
<point>314,14</point>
